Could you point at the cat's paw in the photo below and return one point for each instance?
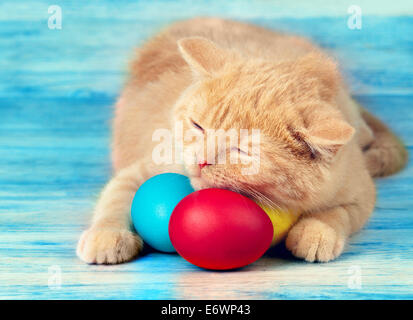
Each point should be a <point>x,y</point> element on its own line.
<point>314,240</point>
<point>108,245</point>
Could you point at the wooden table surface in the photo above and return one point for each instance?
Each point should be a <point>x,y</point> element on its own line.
<point>57,88</point>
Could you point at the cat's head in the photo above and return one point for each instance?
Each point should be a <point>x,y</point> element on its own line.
<point>290,103</point>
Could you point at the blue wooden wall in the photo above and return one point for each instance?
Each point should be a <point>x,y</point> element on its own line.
<point>57,88</point>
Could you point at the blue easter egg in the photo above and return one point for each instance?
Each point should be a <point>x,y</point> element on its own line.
<point>152,207</point>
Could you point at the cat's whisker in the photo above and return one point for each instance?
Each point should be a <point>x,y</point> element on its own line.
<point>264,199</point>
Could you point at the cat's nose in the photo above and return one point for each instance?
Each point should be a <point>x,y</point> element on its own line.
<point>203,164</point>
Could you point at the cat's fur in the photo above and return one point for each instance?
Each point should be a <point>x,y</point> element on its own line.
<point>319,149</point>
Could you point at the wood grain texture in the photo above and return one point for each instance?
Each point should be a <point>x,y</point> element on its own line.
<point>57,88</point>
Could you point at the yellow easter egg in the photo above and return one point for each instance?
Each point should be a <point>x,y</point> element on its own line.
<point>282,221</point>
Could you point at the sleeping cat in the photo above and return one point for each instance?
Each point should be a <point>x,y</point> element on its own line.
<point>318,148</point>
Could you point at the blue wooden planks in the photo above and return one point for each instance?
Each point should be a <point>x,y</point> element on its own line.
<point>57,88</point>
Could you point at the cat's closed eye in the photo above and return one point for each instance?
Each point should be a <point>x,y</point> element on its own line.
<point>240,151</point>
<point>196,125</point>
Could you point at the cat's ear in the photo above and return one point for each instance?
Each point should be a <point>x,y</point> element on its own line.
<point>202,55</point>
<point>318,74</point>
<point>327,136</point>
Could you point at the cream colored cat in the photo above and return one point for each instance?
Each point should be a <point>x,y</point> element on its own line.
<point>318,149</point>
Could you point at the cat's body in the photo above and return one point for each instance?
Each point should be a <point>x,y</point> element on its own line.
<point>319,148</point>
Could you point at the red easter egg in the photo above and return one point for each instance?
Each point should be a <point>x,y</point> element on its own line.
<point>219,229</point>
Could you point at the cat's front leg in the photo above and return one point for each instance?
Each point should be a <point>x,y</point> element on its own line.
<point>110,239</point>
<point>321,236</point>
